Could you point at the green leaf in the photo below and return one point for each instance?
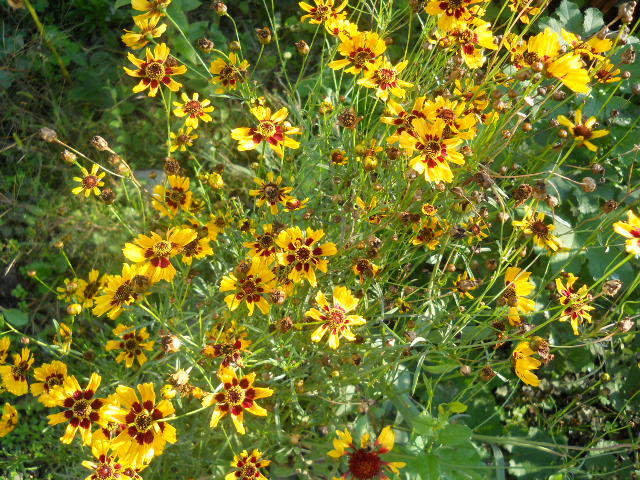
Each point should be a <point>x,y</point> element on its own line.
<point>454,434</point>
<point>592,21</point>
<point>457,407</point>
<point>16,317</point>
<point>122,3</point>
<point>442,368</point>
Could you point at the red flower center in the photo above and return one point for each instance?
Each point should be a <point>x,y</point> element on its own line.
<point>365,465</point>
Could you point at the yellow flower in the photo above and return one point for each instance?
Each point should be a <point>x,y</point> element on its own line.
<point>334,317</point>
<point>464,285</point>
<point>154,252</point>
<point>148,28</point>
<point>434,152</point>
<point>302,253</point>
<point>5,344</point>
<point>247,465</point>
<point>524,10</point>
<point>471,38</point>
<point>576,302</point>
<point>132,343</point>
<point>517,287</point>
<point>88,289</point>
<point>403,119</point>
<point>458,119</point>
<point>151,8</point>
<point>155,70</point>
<point>323,11</point>
<point>251,286</point>
<point>194,109</point>
<point>14,376</point>
<point>9,419</point>
<point>217,224</point>
<point>365,268</point>
<point>228,74</point>
<point>50,378</point>
<point>475,229</point>
<point>82,410</point>
<point>359,50</point>
<point>452,13</point>
<point>264,245</point>
<point>106,464</point>
<point>89,182</point>
<point>182,140</point>
<point>582,131</point>
<point>524,364</point>
<point>366,462</point>
<point>121,291</point>
<point>606,72</point>
<point>146,432</point>
<point>230,349</point>
<point>272,128</point>
<point>533,224</point>
<point>592,48</point>
<point>63,338</point>
<point>168,201</point>
<point>237,396</point>
<point>428,233</point>
<point>270,192</point>
<point>198,248</point>
<point>630,230</point>
<point>383,77</point>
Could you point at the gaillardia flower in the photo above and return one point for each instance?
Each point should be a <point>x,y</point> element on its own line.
<point>90,182</point>
<point>366,462</point>
<point>154,252</point>
<point>334,316</point>
<point>247,466</point>
<point>251,286</point>
<point>155,70</point>
<point>517,287</point>
<point>630,230</point>
<point>14,377</point>
<point>582,131</point>
<point>146,432</point>
<point>50,377</point>
<point>302,253</point>
<point>82,410</point>
<point>237,396</point>
<point>194,109</point>
<point>132,343</point>
<point>272,128</point>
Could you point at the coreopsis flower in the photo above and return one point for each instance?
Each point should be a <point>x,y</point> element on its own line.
<point>194,109</point>
<point>340,26</point>
<point>198,248</point>
<point>333,317</point>
<point>359,50</point>
<point>576,302</point>
<point>132,342</point>
<point>459,121</point>
<point>227,75</point>
<point>470,38</point>
<point>524,364</point>
<point>366,462</point>
<point>14,377</point>
<point>533,224</point>
<point>148,28</point>
<point>146,431</point>
<point>301,252</point>
<point>9,419</point>
<point>338,157</point>
<point>88,289</point>
<point>70,290</point>
<point>428,233</point>
<point>606,72</point>
<point>323,11</point>
<point>365,268</point>
<point>63,338</point>
<point>252,287</point>
<point>106,466</point>
<point>151,8</point>
<point>230,350</point>
<point>382,76</point>
<point>630,230</point>
<point>582,131</point>
<point>247,465</point>
<point>402,119</point>
<point>82,410</point>
<point>272,128</point>
<point>182,140</point>
<point>475,229</point>
<point>452,12</point>
<point>120,291</point>
<point>155,70</point>
<point>543,52</point>
<point>403,306</point>
<point>429,210</point>
<point>593,48</point>
<point>433,152</point>
<point>90,182</point>
<point>264,245</point>
<point>237,396</point>
<point>5,345</point>
<point>168,200</point>
<point>217,224</point>
<point>154,252</point>
<point>270,192</point>
<point>366,210</point>
<point>524,11</point>
<point>50,378</point>
<point>292,204</point>
<point>517,287</point>
<point>465,284</point>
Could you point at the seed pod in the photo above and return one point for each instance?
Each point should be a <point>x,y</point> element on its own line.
<point>48,135</point>
<point>629,56</point>
<point>220,8</point>
<point>171,166</point>
<point>588,185</point>
<point>234,45</point>
<point>559,95</point>
<point>610,288</point>
<point>107,196</point>
<point>551,201</point>
<point>99,143</point>
<point>68,156</point>
<point>284,324</point>
<point>465,370</point>
<point>205,45</point>
<point>527,127</point>
<point>487,373</point>
<point>625,324</point>
<point>264,35</point>
<point>302,47</point>
<point>610,206</point>
<point>348,118</point>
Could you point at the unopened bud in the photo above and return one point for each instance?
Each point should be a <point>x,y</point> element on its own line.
<point>303,47</point>
<point>48,135</point>
<point>220,8</point>
<point>108,196</point>
<point>69,157</point>
<point>74,309</point>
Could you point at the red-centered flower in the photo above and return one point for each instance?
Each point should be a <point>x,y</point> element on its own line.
<point>158,69</point>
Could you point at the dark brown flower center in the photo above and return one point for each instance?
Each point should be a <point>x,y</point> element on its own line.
<point>143,421</point>
<point>582,131</point>
<point>81,408</point>
<point>234,396</point>
<point>162,248</point>
<point>154,71</point>
<point>365,465</point>
<point>89,181</point>
<point>193,107</point>
<point>123,293</point>
<point>266,129</point>
<point>303,254</point>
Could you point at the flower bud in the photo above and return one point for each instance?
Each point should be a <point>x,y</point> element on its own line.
<point>234,45</point>
<point>303,47</point>
<point>48,135</point>
<point>220,8</point>
<point>99,143</point>
<point>588,185</point>
<point>610,206</point>
<point>68,156</point>
<point>205,45</point>
<point>74,309</point>
<point>264,35</point>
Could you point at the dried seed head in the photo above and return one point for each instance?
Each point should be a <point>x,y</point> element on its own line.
<point>625,324</point>
<point>278,297</point>
<point>466,151</point>
<point>629,56</point>
<point>284,324</point>
<point>465,370</point>
<point>559,95</point>
<point>205,45</point>
<point>393,152</point>
<point>625,11</point>
<point>171,166</point>
<point>552,201</point>
<point>487,373</point>
<point>99,143</point>
<point>588,185</point>
<point>48,135</point>
<point>540,190</point>
<point>522,193</point>
<point>68,156</point>
<point>610,288</point>
<point>264,35</point>
<point>348,118</point>
<point>609,206</point>
<point>503,217</point>
<point>108,196</point>
<point>635,89</point>
<point>220,8</point>
<point>302,47</point>
<point>169,342</point>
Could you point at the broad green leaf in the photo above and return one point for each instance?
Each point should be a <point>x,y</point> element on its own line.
<point>16,317</point>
